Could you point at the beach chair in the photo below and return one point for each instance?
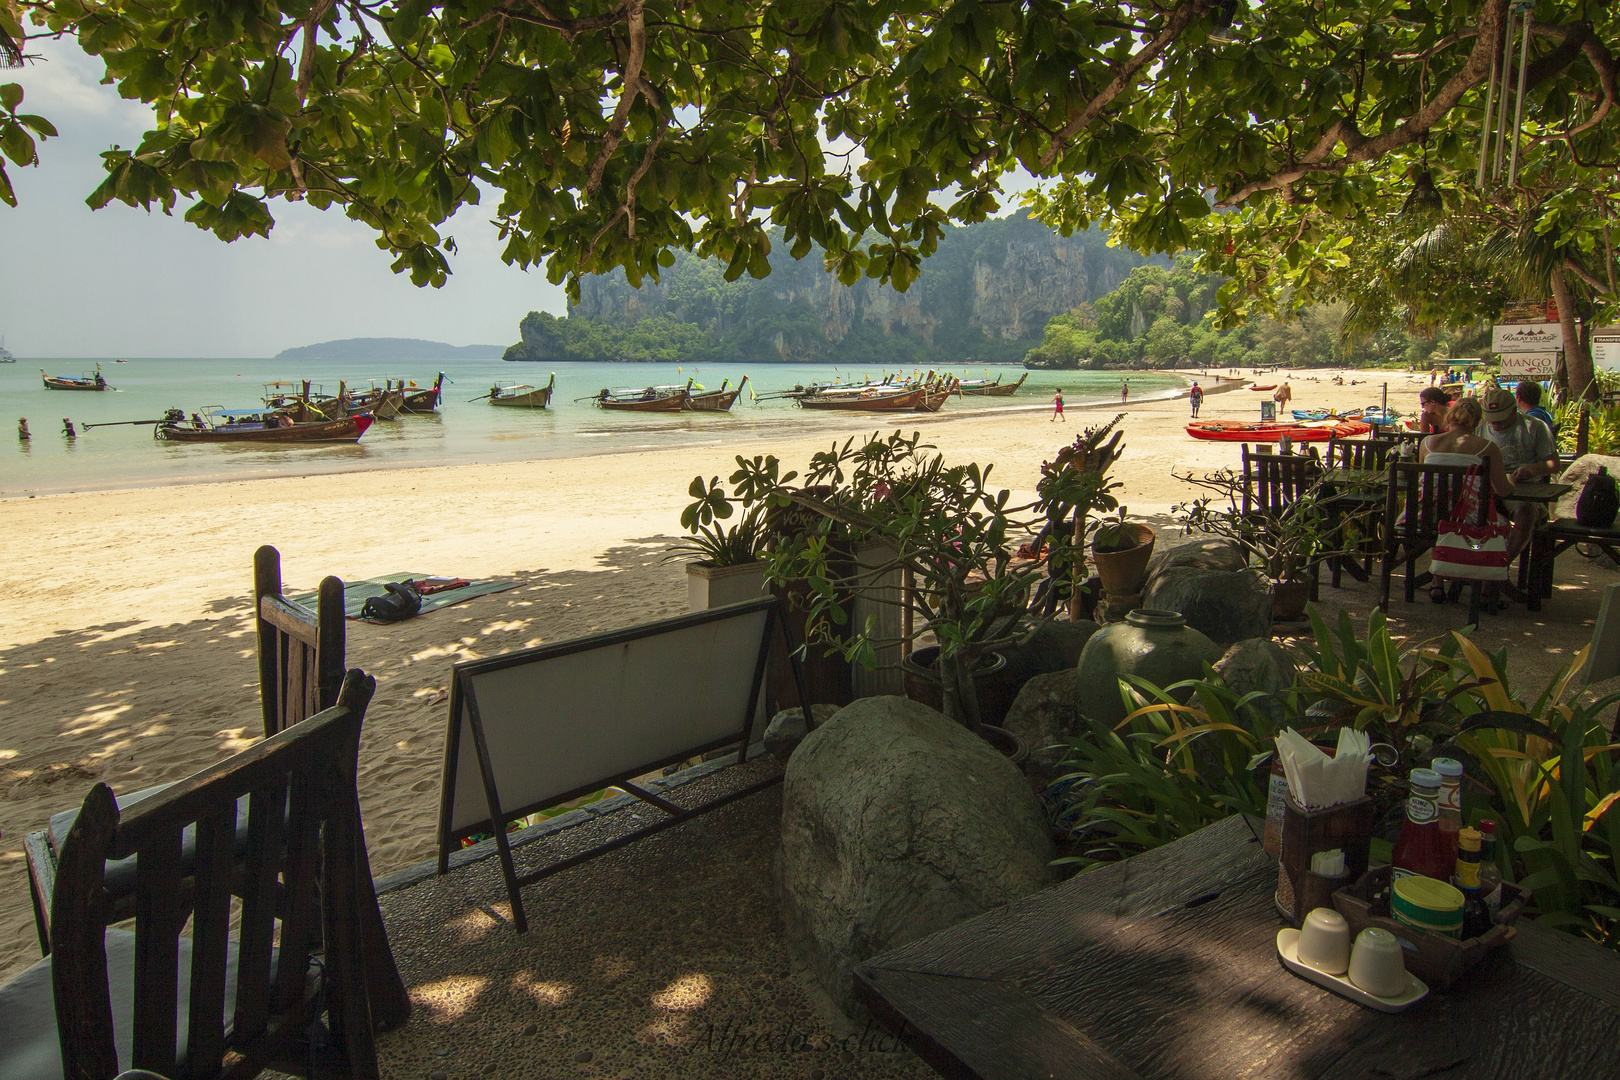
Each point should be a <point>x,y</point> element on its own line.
<point>301,657</point>
<point>212,1003</point>
<point>1417,498</point>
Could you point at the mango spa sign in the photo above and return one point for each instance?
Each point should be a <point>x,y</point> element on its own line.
<point>1537,366</point>
<point>1544,337</point>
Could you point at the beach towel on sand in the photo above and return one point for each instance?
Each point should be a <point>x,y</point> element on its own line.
<point>436,592</point>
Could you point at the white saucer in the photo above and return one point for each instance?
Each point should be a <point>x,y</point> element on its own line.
<point>1288,951</point>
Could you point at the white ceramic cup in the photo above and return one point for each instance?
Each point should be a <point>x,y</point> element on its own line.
<point>1324,941</point>
<point>1376,963</point>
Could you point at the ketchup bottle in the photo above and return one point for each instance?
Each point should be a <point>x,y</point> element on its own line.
<point>1422,849</point>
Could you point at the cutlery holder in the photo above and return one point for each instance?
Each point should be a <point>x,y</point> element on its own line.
<point>1347,826</point>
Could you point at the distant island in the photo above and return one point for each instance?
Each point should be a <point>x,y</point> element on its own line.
<point>390,348</point>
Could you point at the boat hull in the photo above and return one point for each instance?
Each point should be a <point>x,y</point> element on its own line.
<point>420,401</point>
<point>1232,431</point>
<point>534,399</point>
<point>53,383</point>
<point>900,401</point>
<point>717,401</point>
<point>347,429</point>
<point>995,389</point>
<point>671,403</point>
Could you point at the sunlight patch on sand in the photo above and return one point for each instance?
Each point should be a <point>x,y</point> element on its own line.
<point>544,993</point>
<point>234,740</point>
<point>505,626</point>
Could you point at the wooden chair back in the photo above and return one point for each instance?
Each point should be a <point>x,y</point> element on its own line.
<point>300,894</point>
<point>1274,482</point>
<point>1428,494</point>
<point>1359,453</point>
<point>300,653</point>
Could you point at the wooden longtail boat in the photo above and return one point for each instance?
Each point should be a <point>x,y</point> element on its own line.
<point>929,397</point>
<point>382,402</point>
<point>652,399</point>
<point>260,426</point>
<point>75,382</point>
<point>418,400</point>
<point>719,400</point>
<point>1271,431</point>
<point>981,388</point>
<point>522,396</point>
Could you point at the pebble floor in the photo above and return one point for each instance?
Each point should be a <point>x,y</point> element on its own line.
<point>664,958</point>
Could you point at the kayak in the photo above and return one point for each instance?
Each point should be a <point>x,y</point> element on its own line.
<point>1273,386</point>
<point>1313,431</point>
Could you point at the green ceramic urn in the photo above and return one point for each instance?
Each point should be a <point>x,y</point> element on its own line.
<point>1157,646</point>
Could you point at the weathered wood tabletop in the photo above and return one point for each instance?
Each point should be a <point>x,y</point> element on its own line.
<point>1166,966</point>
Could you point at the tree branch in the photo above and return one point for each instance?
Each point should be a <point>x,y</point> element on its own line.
<point>1359,148</point>
<point>1124,76</point>
<point>627,98</point>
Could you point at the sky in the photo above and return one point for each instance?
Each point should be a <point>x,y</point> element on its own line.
<point>119,282</point>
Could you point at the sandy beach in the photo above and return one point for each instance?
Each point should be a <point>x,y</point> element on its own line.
<point>127,647</point>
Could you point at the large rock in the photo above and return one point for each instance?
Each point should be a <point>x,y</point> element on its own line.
<point>1043,716</point>
<point>1259,665</point>
<point>787,728</point>
<point>1225,606</point>
<point>898,823</point>
<point>1210,554</point>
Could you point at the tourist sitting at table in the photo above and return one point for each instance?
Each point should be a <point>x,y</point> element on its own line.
<point>1529,453</point>
<point>1528,399</point>
<point>1432,406</point>
<point>1458,444</point>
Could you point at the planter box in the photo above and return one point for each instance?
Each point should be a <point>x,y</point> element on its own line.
<point>709,587</point>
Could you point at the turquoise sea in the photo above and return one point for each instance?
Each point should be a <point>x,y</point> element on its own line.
<point>463,431</point>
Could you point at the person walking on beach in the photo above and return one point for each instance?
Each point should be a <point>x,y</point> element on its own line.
<point>1124,390</point>
<point>1057,407</point>
<point>1283,396</point>
<point>1196,396</point>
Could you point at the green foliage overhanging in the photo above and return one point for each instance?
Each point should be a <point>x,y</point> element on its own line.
<point>614,131</point>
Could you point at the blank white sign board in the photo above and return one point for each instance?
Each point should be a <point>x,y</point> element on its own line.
<point>557,723</point>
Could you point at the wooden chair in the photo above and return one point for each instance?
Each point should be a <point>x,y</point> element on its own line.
<point>301,657</point>
<point>1274,483</point>
<point>1418,498</point>
<point>1370,454</point>
<point>213,1004</point>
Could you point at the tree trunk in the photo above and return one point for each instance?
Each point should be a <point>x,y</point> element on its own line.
<point>1577,360</point>
<point>959,697</point>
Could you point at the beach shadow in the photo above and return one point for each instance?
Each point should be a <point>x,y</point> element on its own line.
<point>134,705</point>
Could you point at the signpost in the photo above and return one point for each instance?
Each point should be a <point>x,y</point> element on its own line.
<point>1606,347</point>
<point>1527,338</point>
<point>1537,366</point>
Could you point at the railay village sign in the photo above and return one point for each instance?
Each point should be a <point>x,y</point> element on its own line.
<point>1528,350</point>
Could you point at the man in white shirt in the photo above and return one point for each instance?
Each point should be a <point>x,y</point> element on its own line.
<point>1528,452</point>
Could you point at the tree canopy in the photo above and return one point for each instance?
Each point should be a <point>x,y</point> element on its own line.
<point>610,132</point>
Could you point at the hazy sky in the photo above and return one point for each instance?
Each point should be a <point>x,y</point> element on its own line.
<point>122,282</point>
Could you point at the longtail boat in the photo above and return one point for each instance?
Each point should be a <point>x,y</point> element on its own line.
<point>1271,431</point>
<point>984,388</point>
<point>651,399</point>
<point>929,397</point>
<point>719,400</point>
<point>260,426</point>
<point>522,396</point>
<point>75,382</point>
<point>418,400</point>
<point>382,402</point>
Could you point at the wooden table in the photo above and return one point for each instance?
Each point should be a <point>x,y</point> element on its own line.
<point>1166,966</point>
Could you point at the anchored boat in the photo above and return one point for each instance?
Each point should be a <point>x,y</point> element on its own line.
<point>719,400</point>
<point>1271,431</point>
<point>650,399</point>
<point>75,382</point>
<point>522,396</point>
<point>418,400</point>
<point>984,388</point>
<point>260,426</point>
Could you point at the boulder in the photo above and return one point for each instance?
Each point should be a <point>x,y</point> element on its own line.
<point>1225,606</point>
<point>1211,554</point>
<point>1043,716</point>
<point>1258,665</point>
<point>898,823</point>
<point>1055,647</point>
<point>787,728</point>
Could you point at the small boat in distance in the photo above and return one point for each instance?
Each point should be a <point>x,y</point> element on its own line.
<point>75,382</point>
<point>522,396</point>
<point>719,400</point>
<point>651,399</point>
<point>1271,431</point>
<point>985,388</point>
<point>5,354</point>
<point>260,426</point>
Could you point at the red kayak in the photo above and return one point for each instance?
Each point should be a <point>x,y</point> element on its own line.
<point>1308,431</point>
<point>1273,386</point>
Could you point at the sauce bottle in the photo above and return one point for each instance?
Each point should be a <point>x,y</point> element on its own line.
<point>1476,917</point>
<point>1450,801</point>
<point>1422,849</point>
<point>1490,874</point>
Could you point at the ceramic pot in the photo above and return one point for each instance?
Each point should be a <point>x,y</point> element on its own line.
<point>995,695</point>
<point>1011,745</point>
<point>1123,572</point>
<point>1154,645</point>
<point>1288,599</point>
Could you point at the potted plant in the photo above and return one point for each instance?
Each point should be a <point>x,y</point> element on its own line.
<point>1287,546</point>
<point>728,568</point>
<point>940,527</point>
<point>1073,486</point>
<point>1121,549</point>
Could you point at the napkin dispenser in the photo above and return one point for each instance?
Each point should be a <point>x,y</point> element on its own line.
<point>1347,826</point>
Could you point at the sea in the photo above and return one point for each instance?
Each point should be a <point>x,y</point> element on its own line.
<point>465,430</point>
